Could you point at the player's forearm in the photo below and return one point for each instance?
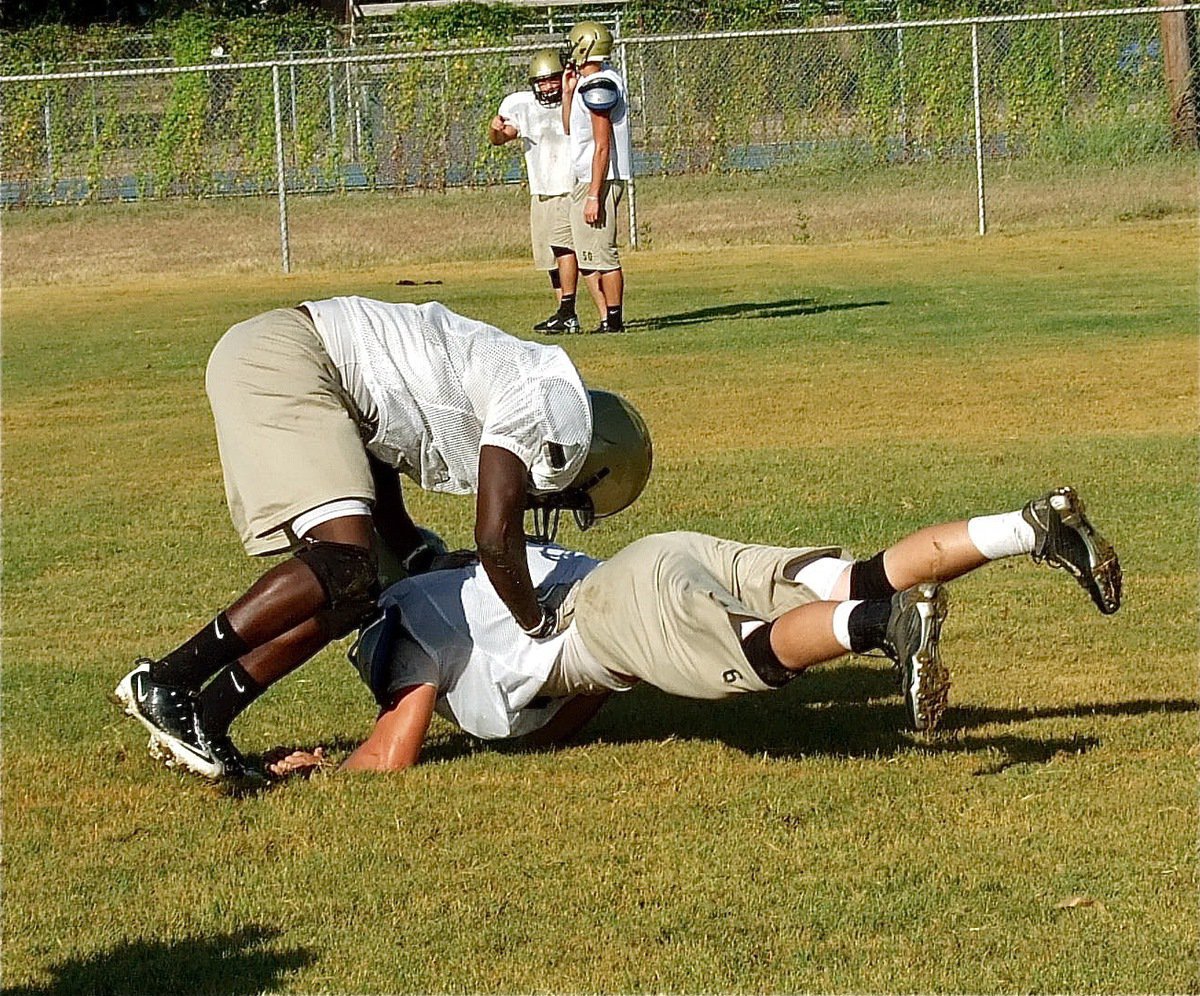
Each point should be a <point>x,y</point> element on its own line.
<point>396,741</point>
<point>392,521</point>
<point>500,532</point>
<point>601,155</point>
<point>599,175</point>
<point>501,549</point>
<point>567,98</point>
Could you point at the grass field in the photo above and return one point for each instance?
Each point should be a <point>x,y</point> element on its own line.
<point>799,841</point>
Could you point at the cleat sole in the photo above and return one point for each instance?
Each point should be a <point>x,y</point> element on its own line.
<point>932,687</point>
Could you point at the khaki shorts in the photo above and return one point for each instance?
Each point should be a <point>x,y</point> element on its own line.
<point>666,609</point>
<point>286,431</point>
<point>549,225</point>
<point>596,245</point>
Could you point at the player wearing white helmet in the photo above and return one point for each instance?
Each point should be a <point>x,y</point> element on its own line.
<point>694,616</point>
<point>318,410</point>
<point>595,113</point>
<point>534,117</point>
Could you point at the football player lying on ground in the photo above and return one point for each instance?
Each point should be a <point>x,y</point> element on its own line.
<point>692,615</point>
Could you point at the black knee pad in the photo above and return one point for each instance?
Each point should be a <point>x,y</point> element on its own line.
<point>555,279</point>
<point>869,580</point>
<point>760,656</point>
<point>350,579</point>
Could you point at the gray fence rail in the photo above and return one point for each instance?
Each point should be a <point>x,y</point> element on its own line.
<point>1071,85</point>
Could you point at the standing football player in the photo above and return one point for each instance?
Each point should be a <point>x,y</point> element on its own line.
<point>534,117</point>
<point>595,112</point>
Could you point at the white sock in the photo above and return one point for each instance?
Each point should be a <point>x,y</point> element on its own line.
<point>1003,535</point>
<point>841,622</point>
<point>819,575</point>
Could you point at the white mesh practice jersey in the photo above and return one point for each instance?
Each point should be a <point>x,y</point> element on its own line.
<point>462,639</point>
<point>605,91</point>
<point>440,386</point>
<point>547,151</point>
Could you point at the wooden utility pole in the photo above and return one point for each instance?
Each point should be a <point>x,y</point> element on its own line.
<point>1179,65</point>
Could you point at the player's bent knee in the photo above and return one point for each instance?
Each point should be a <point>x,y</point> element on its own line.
<point>869,580</point>
<point>762,658</point>
<point>350,579</point>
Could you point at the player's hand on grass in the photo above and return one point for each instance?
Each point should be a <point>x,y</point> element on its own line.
<point>285,762</point>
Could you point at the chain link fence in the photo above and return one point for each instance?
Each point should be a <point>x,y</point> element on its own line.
<point>1079,86</point>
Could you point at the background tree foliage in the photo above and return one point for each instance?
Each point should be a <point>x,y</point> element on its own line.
<point>17,14</point>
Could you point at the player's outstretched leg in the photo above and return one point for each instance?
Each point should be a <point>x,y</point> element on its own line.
<point>914,628</point>
<point>1052,529</point>
<point>1065,538</point>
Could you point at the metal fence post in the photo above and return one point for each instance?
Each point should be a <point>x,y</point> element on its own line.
<point>332,97</point>
<point>94,113</point>
<point>292,98</point>
<point>1062,69</point>
<point>631,186</point>
<point>48,126</point>
<point>351,114</point>
<point>280,180</point>
<point>903,94</point>
<point>978,126</point>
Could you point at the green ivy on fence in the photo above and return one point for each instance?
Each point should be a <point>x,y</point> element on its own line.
<point>1055,89</point>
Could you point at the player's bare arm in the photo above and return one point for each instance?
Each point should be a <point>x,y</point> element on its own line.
<point>392,521</point>
<point>570,80</point>
<point>395,742</point>
<point>602,133</point>
<point>500,532</point>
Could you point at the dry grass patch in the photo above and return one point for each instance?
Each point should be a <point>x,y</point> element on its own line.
<point>412,231</point>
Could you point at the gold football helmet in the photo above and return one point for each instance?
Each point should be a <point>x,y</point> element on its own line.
<point>613,474</point>
<point>589,41</point>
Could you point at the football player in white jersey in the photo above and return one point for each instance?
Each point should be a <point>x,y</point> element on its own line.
<point>533,116</point>
<point>692,615</point>
<point>318,410</point>
<point>595,110</point>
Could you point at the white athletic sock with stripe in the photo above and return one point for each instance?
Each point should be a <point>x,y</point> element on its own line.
<point>1003,535</point>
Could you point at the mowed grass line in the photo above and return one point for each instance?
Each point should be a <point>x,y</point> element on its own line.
<point>795,842</point>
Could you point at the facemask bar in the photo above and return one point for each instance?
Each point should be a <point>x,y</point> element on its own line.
<point>546,516</point>
<point>545,524</point>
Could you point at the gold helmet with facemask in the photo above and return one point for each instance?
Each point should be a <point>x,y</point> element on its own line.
<point>546,68</point>
<point>589,41</point>
<point>613,474</point>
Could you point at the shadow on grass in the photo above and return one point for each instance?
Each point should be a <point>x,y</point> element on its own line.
<point>849,712</point>
<point>236,963</point>
<point>793,308</point>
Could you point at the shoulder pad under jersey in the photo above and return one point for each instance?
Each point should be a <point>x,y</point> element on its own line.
<point>602,95</point>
